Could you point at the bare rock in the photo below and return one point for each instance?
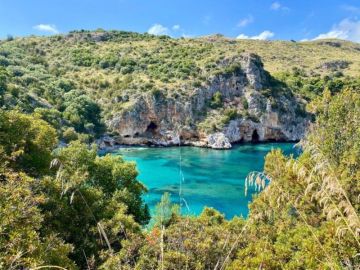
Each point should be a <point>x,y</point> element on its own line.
<point>164,119</point>
<point>335,65</point>
<point>218,141</point>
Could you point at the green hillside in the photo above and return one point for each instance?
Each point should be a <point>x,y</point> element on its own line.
<point>114,68</point>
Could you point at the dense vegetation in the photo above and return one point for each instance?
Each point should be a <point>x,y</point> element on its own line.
<point>79,81</point>
<point>69,208</point>
<point>73,209</point>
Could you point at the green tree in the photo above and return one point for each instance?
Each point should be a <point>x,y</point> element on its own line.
<point>52,116</point>
<point>26,142</point>
<point>165,211</point>
<point>22,245</point>
<point>93,203</point>
<point>82,113</point>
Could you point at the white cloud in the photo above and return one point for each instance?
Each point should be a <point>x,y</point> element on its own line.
<point>176,27</point>
<point>246,21</point>
<point>186,36</point>
<point>277,6</point>
<point>158,29</point>
<point>351,9</point>
<point>242,36</point>
<point>50,28</point>
<point>262,36</point>
<point>347,29</point>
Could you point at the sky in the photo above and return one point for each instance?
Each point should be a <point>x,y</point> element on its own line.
<point>243,19</point>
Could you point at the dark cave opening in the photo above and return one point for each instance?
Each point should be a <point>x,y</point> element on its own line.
<point>255,136</point>
<point>152,127</point>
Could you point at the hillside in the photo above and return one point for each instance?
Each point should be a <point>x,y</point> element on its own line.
<point>86,81</point>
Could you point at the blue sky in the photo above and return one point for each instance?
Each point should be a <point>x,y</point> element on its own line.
<point>258,19</point>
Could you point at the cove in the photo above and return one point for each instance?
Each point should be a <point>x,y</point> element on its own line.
<point>213,178</point>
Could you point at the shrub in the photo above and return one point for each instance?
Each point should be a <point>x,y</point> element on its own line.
<point>229,114</point>
<point>82,57</point>
<point>156,93</point>
<point>3,80</point>
<point>4,62</point>
<point>197,84</point>
<point>216,100</point>
<point>253,118</point>
<point>244,103</point>
<point>233,69</point>
<point>70,134</point>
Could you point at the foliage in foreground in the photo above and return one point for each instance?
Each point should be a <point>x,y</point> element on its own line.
<point>73,209</point>
<point>64,207</point>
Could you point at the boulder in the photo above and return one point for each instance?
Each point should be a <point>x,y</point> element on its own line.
<point>218,141</point>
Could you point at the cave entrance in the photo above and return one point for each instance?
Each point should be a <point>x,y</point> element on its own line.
<point>255,136</point>
<point>151,128</point>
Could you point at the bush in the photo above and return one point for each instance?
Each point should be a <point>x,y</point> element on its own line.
<point>216,100</point>
<point>9,38</point>
<point>197,84</point>
<point>253,118</point>
<point>244,103</point>
<point>4,62</point>
<point>70,134</point>
<point>3,81</point>
<point>233,69</point>
<point>156,93</point>
<point>82,57</point>
<point>52,116</point>
<point>230,114</point>
<point>109,61</point>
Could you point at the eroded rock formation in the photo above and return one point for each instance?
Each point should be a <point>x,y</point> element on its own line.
<point>264,113</point>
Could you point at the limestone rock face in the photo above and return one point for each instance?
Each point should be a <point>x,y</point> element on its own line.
<point>106,143</point>
<point>218,141</point>
<point>167,119</point>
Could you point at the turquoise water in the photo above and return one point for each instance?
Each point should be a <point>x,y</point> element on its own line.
<point>212,178</point>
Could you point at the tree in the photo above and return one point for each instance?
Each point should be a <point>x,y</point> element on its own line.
<point>93,203</point>
<point>165,211</point>
<point>26,142</point>
<point>21,243</point>
<point>81,111</point>
<point>52,116</point>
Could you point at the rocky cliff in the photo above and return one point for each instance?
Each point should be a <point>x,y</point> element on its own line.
<point>251,107</point>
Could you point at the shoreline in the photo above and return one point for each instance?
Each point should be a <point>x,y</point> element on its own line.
<point>110,149</point>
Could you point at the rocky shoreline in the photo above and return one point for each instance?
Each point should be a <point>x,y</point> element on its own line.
<point>108,144</point>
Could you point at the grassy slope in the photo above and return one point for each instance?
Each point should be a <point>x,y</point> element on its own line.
<point>115,71</point>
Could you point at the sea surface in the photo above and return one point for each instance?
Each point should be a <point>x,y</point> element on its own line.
<point>198,177</point>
